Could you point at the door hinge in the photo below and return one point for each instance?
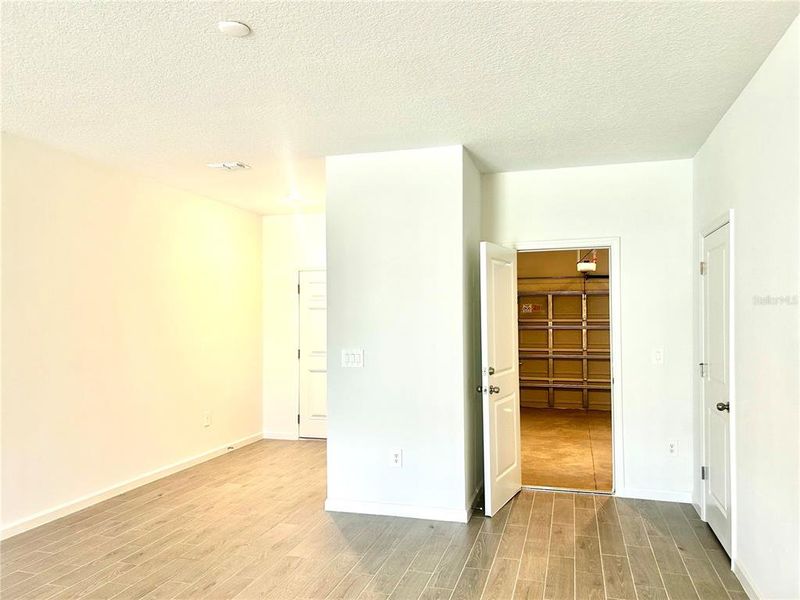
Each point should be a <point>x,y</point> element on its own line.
<point>298,288</point>
<point>702,267</point>
<point>298,419</point>
<point>703,473</point>
<point>298,354</point>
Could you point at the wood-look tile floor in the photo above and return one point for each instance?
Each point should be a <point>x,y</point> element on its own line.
<point>563,448</point>
<point>250,525</point>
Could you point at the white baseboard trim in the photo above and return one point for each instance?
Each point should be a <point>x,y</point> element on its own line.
<point>665,495</point>
<point>280,435</point>
<point>747,583</point>
<point>458,515</point>
<point>67,508</point>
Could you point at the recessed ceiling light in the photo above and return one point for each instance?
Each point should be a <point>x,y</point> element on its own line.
<point>233,28</point>
<point>228,166</point>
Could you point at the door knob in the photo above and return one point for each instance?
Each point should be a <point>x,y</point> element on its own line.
<point>493,389</point>
<point>723,406</point>
<point>491,370</point>
<point>479,389</point>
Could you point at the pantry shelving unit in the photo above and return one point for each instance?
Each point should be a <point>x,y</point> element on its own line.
<point>564,351</point>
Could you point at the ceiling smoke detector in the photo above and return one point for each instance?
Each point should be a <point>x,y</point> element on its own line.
<point>233,28</point>
<point>228,166</point>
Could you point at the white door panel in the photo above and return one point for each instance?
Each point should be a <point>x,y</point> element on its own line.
<point>499,376</point>
<point>313,405</point>
<point>716,385</point>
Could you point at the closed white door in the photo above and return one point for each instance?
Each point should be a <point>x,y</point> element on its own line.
<point>313,411</point>
<point>716,383</point>
<point>502,465</point>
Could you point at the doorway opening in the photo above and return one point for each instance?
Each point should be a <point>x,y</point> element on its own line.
<point>565,372</point>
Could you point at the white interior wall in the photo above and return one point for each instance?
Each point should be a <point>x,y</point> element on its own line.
<point>395,257</point>
<point>129,310</point>
<point>290,243</point>
<point>751,163</point>
<point>473,407</point>
<point>648,206</point>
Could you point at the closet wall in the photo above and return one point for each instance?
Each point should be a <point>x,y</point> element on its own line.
<point>564,331</point>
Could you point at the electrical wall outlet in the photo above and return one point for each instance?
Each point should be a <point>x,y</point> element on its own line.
<point>397,458</point>
<point>672,447</point>
<point>658,356</point>
<point>207,419</point>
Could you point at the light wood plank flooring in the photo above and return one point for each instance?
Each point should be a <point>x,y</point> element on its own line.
<point>250,524</point>
<point>564,448</point>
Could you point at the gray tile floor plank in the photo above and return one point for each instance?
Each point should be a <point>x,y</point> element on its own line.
<point>250,524</point>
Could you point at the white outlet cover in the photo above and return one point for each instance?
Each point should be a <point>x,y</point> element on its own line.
<point>397,458</point>
<point>658,356</point>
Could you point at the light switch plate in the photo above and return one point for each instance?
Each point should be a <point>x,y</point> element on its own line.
<point>353,358</point>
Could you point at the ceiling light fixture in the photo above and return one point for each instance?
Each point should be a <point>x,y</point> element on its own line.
<point>233,28</point>
<point>228,166</point>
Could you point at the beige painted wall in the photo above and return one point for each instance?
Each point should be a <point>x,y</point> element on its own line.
<point>129,310</point>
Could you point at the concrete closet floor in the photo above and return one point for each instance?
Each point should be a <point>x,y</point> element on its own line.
<point>250,525</point>
<point>564,448</point>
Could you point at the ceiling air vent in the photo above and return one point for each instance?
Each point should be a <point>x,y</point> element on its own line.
<point>229,166</point>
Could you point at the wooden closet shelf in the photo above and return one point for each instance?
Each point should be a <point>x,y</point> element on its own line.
<point>563,293</point>
<point>546,351</point>
<point>562,379</point>
<point>545,354</point>
<point>577,321</point>
<point>573,327</point>
<point>564,386</point>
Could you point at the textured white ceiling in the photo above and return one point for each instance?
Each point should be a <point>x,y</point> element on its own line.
<point>154,87</point>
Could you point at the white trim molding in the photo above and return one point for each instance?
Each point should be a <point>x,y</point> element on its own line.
<point>747,583</point>
<point>281,435</point>
<point>664,495</point>
<point>73,506</point>
<point>615,273</point>
<point>430,513</point>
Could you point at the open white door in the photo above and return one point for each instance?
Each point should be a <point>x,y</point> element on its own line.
<point>502,465</point>
<point>716,378</point>
<point>313,405</point>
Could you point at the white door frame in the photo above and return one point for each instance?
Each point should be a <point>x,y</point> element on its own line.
<point>709,228</point>
<point>614,271</point>
<point>297,330</point>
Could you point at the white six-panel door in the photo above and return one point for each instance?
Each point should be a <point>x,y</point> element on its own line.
<point>716,383</point>
<point>499,376</point>
<point>313,405</point>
